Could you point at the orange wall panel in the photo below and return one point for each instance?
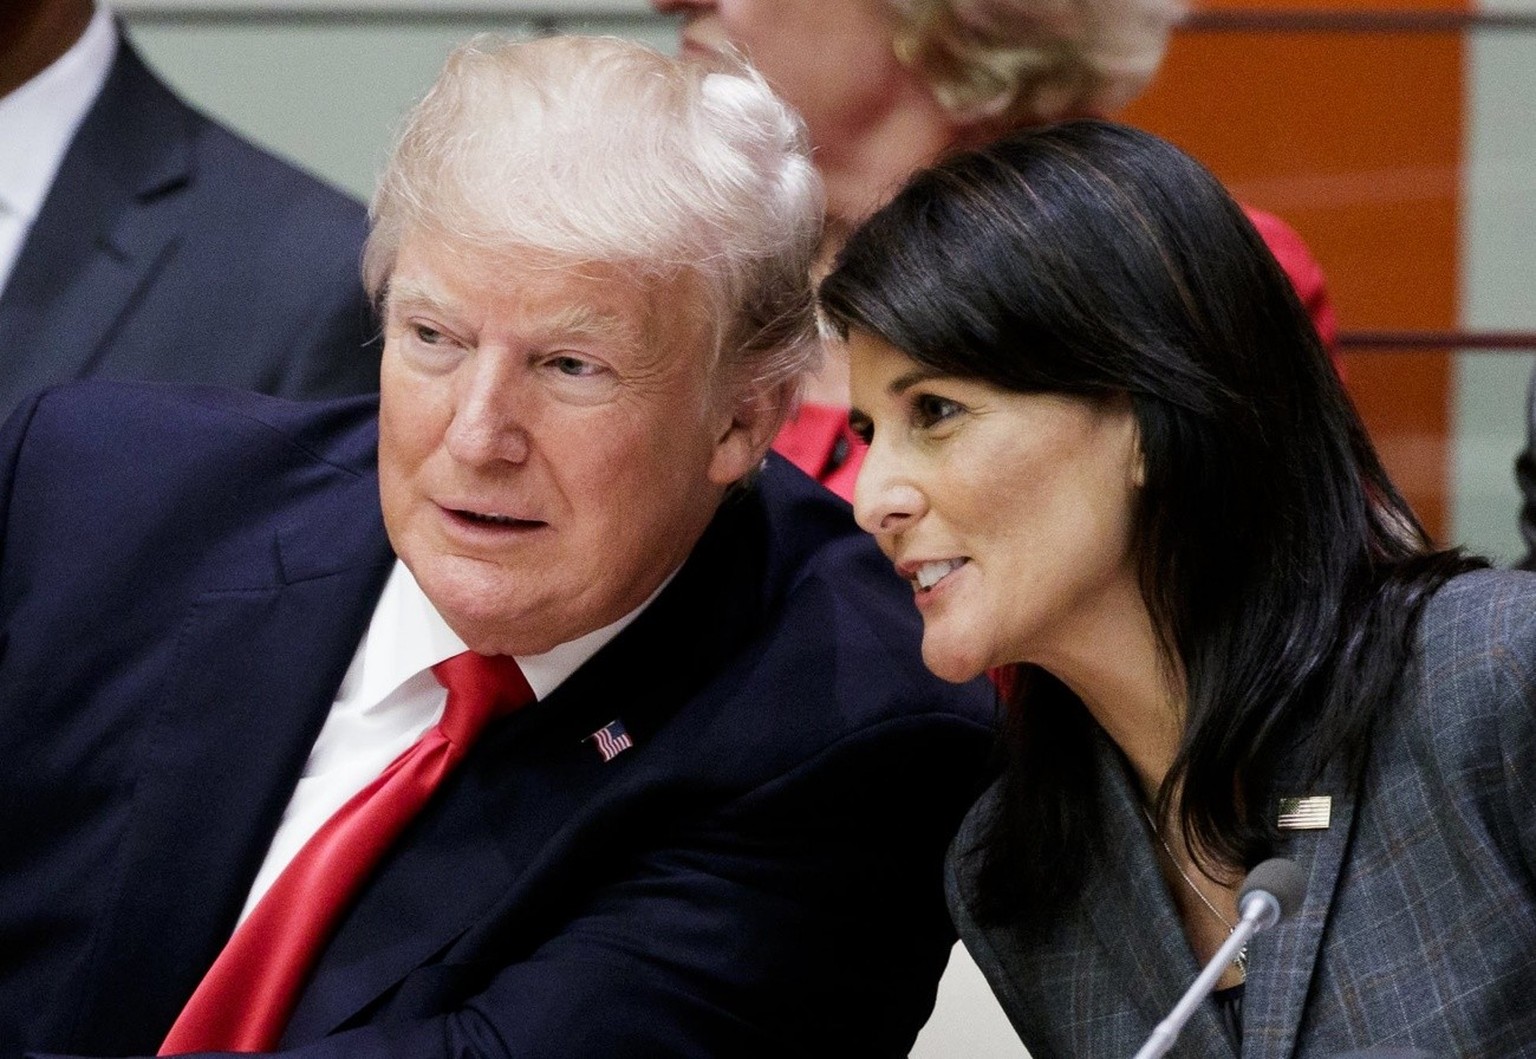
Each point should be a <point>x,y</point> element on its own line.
<point>1356,140</point>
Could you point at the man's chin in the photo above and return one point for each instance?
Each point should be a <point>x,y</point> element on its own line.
<point>479,603</point>
<point>497,635</point>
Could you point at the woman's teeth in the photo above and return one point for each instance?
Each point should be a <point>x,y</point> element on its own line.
<point>930,574</point>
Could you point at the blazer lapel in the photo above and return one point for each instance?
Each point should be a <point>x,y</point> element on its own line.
<point>260,661</point>
<point>1282,960</point>
<point>1148,957</point>
<point>109,222</point>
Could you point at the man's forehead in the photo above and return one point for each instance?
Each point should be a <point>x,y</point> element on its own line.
<point>593,298</point>
<point>595,312</point>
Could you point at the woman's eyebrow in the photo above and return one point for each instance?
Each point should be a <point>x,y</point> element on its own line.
<point>901,383</point>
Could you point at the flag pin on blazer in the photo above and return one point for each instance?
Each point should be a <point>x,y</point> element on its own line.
<point>1305,814</point>
<point>611,740</point>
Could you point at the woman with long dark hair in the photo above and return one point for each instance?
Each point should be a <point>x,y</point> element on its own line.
<point>1109,451</point>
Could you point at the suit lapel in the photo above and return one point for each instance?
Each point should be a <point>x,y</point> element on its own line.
<point>502,832</point>
<point>1282,961</point>
<point>258,666</point>
<point>110,221</point>
<point>1148,959</point>
<point>463,862</point>
<point>1154,969</point>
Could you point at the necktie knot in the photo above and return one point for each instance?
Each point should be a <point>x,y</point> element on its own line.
<point>480,687</point>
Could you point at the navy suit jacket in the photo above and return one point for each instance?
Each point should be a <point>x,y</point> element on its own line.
<point>184,578</point>
<point>170,249</point>
<point>1418,925</point>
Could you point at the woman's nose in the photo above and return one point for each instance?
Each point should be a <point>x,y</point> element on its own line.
<point>885,500</point>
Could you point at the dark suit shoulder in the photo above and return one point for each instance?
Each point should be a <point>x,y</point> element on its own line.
<point>792,651</point>
<point>1479,609</point>
<point>839,608</point>
<point>1469,701</point>
<point>1475,647</point>
<point>283,210</point>
<point>298,238</point>
<point>204,429</point>
<point>838,767</point>
<point>149,483</point>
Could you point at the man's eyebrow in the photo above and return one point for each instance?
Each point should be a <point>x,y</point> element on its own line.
<point>574,320</point>
<point>584,321</point>
<point>407,294</point>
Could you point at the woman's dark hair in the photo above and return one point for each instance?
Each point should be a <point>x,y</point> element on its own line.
<point>1281,567</point>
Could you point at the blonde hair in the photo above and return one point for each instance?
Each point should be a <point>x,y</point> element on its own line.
<point>604,150</point>
<point>1016,63</point>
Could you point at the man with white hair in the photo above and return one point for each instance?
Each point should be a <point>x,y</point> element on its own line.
<point>529,712</point>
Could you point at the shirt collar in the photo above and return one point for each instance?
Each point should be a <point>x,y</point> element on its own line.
<point>44,113</point>
<point>407,635</point>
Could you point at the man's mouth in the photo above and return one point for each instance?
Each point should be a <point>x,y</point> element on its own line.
<point>492,518</point>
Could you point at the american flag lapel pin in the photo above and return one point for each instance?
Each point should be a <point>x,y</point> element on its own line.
<point>611,740</point>
<point>1305,814</point>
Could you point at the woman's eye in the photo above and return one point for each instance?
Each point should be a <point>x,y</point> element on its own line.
<point>930,410</point>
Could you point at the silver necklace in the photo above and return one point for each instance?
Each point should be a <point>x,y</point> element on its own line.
<point>1240,961</point>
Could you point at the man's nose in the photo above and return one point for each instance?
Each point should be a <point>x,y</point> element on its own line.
<point>489,417</point>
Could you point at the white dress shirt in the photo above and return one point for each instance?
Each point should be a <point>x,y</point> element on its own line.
<point>37,123</point>
<point>387,700</point>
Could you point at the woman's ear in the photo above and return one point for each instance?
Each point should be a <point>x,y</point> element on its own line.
<point>1137,463</point>
<point>1138,459</point>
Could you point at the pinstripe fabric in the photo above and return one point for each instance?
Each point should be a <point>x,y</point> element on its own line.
<point>1419,923</point>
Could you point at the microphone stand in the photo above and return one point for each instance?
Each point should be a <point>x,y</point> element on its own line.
<point>1168,1030</point>
<point>1271,889</point>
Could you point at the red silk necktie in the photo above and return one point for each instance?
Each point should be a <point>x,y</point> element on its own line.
<point>244,1002</point>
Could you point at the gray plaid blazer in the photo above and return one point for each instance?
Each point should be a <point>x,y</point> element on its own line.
<point>1419,923</point>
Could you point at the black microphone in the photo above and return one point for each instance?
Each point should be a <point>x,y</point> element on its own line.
<point>1271,890</point>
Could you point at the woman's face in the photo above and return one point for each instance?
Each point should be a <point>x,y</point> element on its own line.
<point>1010,513</point>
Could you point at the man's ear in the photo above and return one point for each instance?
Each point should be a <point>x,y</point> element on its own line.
<point>756,415</point>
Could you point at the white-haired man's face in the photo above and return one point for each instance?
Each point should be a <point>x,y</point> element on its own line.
<point>551,442</point>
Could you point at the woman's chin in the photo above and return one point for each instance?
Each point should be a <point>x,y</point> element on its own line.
<point>947,662</point>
